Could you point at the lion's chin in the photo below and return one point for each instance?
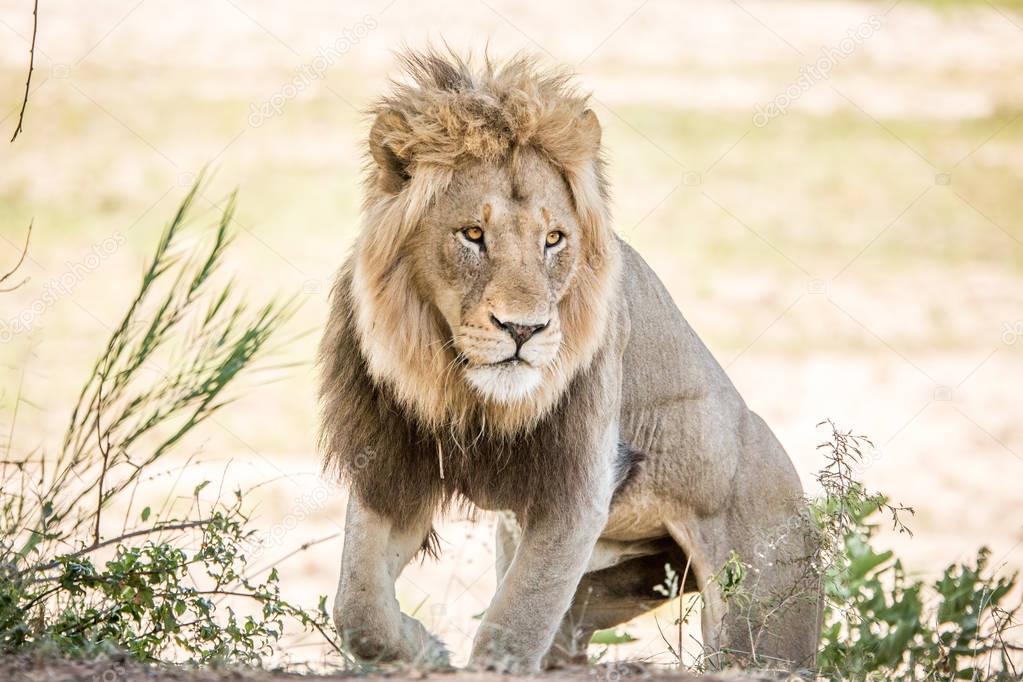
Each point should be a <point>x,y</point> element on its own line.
<point>504,383</point>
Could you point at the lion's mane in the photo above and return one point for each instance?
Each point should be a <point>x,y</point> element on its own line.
<point>388,372</point>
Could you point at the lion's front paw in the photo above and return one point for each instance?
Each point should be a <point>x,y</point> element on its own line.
<point>502,655</point>
<point>401,639</point>
<point>430,652</point>
<point>505,664</point>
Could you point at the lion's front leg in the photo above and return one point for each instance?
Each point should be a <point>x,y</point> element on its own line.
<point>366,611</point>
<point>520,623</point>
<point>553,552</point>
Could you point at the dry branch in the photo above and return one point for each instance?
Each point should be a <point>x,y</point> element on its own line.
<point>10,273</point>
<point>31,66</point>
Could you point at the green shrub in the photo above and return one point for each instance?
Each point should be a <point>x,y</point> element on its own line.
<point>881,623</point>
<point>153,599</point>
<point>878,623</point>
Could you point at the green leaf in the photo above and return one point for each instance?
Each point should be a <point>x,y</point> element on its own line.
<point>611,636</point>
<point>30,544</point>
<point>145,514</point>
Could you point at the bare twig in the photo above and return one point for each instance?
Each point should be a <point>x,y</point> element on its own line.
<point>305,546</point>
<point>21,260</point>
<point>31,66</point>
<point>105,451</point>
<point>682,619</point>
<point>667,642</point>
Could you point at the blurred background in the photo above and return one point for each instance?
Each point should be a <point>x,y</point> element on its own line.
<point>832,191</point>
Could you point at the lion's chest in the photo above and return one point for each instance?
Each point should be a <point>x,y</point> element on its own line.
<point>493,476</point>
<point>516,472</point>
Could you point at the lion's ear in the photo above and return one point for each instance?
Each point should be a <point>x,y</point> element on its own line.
<point>392,169</point>
<point>589,126</point>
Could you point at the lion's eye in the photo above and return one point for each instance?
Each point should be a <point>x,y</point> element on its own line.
<point>473,234</point>
<point>554,238</point>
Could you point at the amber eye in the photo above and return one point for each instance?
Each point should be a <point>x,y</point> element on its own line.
<point>473,234</point>
<point>554,238</point>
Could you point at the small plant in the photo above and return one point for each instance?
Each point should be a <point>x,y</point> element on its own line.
<point>155,586</point>
<point>878,622</point>
<point>669,589</point>
<point>881,622</point>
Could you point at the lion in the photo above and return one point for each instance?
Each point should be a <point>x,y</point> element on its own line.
<point>492,342</point>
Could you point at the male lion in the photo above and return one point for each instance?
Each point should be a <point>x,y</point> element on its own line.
<point>491,340</point>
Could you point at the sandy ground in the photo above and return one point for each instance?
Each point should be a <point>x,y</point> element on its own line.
<point>858,257</point>
<point>36,669</point>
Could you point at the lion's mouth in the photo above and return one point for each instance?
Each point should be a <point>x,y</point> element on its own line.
<point>509,362</point>
<point>505,381</point>
<point>513,361</point>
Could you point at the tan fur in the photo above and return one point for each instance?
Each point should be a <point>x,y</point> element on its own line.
<point>555,382</point>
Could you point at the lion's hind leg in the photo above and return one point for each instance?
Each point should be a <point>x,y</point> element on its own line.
<point>754,562</point>
<point>615,595</point>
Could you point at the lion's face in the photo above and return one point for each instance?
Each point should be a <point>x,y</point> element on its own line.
<point>495,253</point>
<point>486,270</point>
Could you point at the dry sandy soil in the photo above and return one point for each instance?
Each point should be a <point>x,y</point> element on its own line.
<point>859,257</point>
<point>41,669</point>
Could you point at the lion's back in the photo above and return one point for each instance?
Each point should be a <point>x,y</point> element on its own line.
<point>678,406</point>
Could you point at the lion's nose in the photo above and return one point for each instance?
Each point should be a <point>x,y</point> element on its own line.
<point>520,333</point>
